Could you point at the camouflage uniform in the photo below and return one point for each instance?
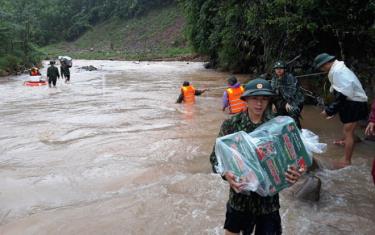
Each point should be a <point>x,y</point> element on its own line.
<point>288,90</point>
<point>52,74</point>
<point>253,202</point>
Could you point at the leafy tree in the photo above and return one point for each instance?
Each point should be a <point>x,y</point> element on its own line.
<point>25,25</point>
<point>244,35</point>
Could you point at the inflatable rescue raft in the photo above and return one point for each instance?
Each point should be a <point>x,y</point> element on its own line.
<point>35,83</point>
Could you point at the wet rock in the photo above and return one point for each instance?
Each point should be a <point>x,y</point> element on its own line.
<point>309,190</point>
<point>89,68</point>
<point>208,65</point>
<point>316,164</point>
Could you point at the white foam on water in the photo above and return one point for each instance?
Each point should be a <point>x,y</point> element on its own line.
<point>112,152</point>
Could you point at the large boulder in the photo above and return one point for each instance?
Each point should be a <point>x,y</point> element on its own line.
<point>89,68</point>
<point>309,190</point>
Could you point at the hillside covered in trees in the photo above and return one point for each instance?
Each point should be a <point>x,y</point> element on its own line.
<point>26,25</point>
<point>249,36</point>
<point>156,35</point>
<point>238,36</point>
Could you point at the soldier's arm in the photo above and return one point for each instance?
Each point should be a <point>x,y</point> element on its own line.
<point>199,92</point>
<point>333,108</point>
<point>298,96</point>
<point>180,98</point>
<point>225,129</point>
<point>280,104</point>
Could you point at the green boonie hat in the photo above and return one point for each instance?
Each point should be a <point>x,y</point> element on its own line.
<point>232,80</point>
<point>279,65</point>
<point>257,87</point>
<point>321,59</point>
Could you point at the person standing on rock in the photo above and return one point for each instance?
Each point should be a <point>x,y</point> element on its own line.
<point>188,93</point>
<point>350,100</point>
<point>248,211</point>
<point>289,96</point>
<point>52,74</point>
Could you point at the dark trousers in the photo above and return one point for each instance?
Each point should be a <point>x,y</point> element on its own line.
<point>53,81</point>
<point>237,221</point>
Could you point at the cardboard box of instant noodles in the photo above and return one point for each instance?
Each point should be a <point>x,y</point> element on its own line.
<point>259,159</point>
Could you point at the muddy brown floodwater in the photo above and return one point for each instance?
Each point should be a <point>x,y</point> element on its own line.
<point>111,153</point>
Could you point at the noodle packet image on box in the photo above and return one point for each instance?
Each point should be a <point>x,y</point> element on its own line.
<point>235,153</point>
<point>259,159</point>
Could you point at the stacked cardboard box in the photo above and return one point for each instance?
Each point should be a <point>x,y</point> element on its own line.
<point>260,158</point>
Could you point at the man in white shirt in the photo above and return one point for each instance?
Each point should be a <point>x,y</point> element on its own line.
<point>350,99</point>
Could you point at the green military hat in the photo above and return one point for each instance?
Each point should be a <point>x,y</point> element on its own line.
<point>232,80</point>
<point>257,87</point>
<point>321,59</point>
<point>279,65</point>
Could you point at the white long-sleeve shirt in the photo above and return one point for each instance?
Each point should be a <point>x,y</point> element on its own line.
<point>346,82</point>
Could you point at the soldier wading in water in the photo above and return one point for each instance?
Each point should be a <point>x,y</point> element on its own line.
<point>246,211</point>
<point>52,74</point>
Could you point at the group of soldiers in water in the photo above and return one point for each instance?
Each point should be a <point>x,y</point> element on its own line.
<point>350,98</point>
<point>288,98</point>
<point>53,73</point>
<point>257,102</point>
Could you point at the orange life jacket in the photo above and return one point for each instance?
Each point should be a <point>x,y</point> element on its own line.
<point>34,73</point>
<point>189,94</point>
<point>236,105</point>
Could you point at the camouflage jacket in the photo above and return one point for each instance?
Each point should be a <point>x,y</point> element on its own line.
<point>287,90</point>
<point>64,71</point>
<point>53,72</point>
<point>252,202</point>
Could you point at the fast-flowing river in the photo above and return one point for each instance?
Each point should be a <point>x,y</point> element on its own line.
<point>112,153</point>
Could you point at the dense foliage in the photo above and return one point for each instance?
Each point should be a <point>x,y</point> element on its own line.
<point>248,35</point>
<point>25,25</point>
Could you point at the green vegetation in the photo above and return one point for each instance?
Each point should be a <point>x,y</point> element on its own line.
<point>157,34</point>
<point>17,48</point>
<point>236,35</point>
<point>250,35</point>
<point>27,25</point>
